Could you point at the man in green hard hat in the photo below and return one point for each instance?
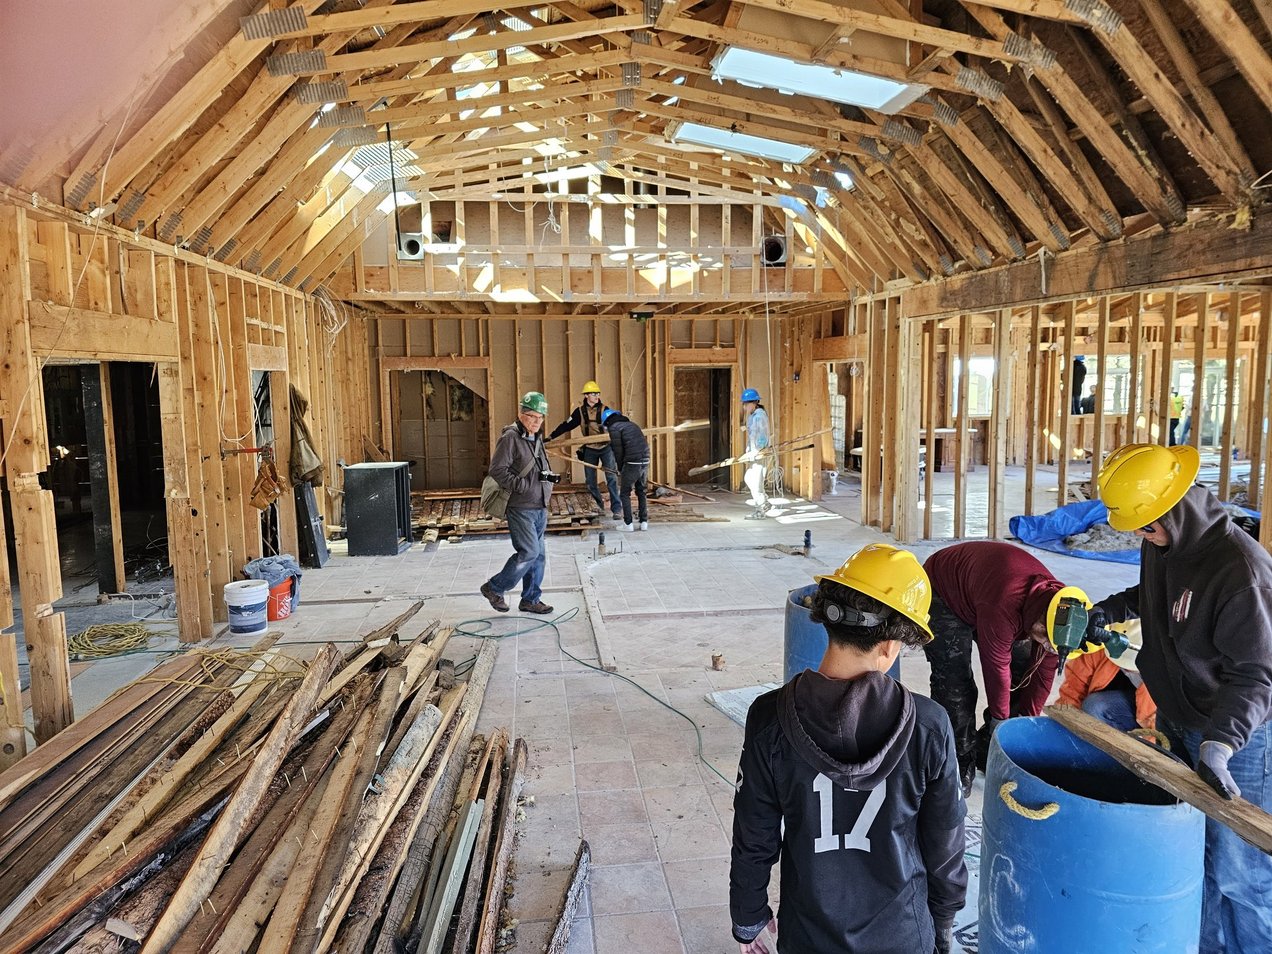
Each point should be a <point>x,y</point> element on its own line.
<point>520,467</point>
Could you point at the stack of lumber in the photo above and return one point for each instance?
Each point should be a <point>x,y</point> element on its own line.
<point>454,513</point>
<point>236,802</point>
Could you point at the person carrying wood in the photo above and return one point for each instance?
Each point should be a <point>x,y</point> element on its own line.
<point>1004,600</point>
<point>631,452</point>
<point>520,466</point>
<point>758,452</point>
<point>597,453</point>
<point>852,780</point>
<point>1204,600</point>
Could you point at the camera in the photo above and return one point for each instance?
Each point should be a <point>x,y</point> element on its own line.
<point>549,476</point>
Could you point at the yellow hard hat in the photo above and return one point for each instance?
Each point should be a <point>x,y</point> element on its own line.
<point>1141,482</point>
<point>890,575</point>
<point>591,388</point>
<point>1078,594</point>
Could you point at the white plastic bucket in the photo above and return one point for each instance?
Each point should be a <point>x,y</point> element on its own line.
<point>246,602</point>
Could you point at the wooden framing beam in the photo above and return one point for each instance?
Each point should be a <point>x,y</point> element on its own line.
<point>1234,35</point>
<point>1206,253</point>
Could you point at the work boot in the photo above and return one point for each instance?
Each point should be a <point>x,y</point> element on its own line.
<point>538,606</point>
<point>616,515</point>
<point>495,599</point>
<point>967,775</point>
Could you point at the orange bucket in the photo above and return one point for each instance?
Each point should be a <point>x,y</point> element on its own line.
<point>280,601</point>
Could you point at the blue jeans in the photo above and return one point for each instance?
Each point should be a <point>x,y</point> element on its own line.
<point>1115,707</point>
<point>527,529</point>
<point>1236,907</point>
<point>604,456</point>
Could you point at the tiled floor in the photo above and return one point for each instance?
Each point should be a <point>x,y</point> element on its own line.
<point>607,762</point>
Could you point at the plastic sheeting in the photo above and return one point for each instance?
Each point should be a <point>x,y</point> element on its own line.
<point>274,570</point>
<point>1047,531</point>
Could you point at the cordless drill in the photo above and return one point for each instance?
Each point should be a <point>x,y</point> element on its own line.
<point>1069,633</point>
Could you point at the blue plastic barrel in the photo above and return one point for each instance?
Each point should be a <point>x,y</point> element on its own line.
<point>805,641</point>
<point>1079,855</point>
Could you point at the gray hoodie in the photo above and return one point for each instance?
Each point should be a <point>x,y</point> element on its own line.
<point>854,784</point>
<point>1205,604</point>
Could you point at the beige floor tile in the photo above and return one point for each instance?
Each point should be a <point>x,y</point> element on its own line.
<point>707,930</point>
<point>629,889</point>
<point>605,776</point>
<point>619,807</point>
<point>697,882</point>
<point>683,840</point>
<point>655,932</point>
<point>621,844</point>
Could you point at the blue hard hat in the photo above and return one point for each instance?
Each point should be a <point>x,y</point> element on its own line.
<point>750,394</point>
<point>607,414</point>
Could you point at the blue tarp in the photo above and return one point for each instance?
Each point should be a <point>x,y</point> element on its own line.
<point>1047,531</point>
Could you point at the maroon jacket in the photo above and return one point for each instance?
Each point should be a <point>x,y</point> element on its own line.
<point>1000,591</point>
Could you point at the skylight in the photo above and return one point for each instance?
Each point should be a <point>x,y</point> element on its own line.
<point>742,143</point>
<point>824,82</point>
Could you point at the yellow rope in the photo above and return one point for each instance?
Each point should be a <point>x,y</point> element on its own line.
<point>1036,814</point>
<point>109,639</point>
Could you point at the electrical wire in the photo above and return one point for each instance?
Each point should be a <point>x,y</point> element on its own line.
<point>483,628</point>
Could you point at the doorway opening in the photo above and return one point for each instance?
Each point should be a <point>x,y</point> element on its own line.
<point>442,428</point>
<point>703,393</point>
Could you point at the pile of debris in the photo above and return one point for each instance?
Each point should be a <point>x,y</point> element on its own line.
<point>235,802</point>
<point>454,513</point>
<point>1101,538</point>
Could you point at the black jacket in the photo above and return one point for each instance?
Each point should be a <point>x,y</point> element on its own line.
<point>627,440</point>
<point>1205,608</point>
<point>878,763</point>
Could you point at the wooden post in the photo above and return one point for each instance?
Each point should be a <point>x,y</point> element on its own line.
<point>1033,416</point>
<point>931,331</point>
<point>12,723</point>
<point>960,424</point>
<point>185,568</point>
<point>1102,360</point>
<point>895,355</point>
<point>1002,396</point>
<point>1063,452</point>
<point>1259,438</point>
<point>1165,410</point>
<point>905,427</point>
<point>1199,369</point>
<point>99,429</point>
<point>1133,388</point>
<point>26,457</point>
<point>1225,453</point>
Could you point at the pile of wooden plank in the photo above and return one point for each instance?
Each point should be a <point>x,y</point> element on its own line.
<point>454,513</point>
<point>239,802</point>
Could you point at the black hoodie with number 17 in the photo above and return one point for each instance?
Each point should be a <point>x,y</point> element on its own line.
<point>854,784</point>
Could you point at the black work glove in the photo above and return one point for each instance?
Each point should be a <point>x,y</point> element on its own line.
<point>549,476</point>
<point>1212,766</point>
<point>1097,619</point>
<point>579,453</point>
<point>944,940</point>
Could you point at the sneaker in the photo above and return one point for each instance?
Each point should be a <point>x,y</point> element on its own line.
<point>627,528</point>
<point>496,599</point>
<point>538,606</point>
<point>644,525</point>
